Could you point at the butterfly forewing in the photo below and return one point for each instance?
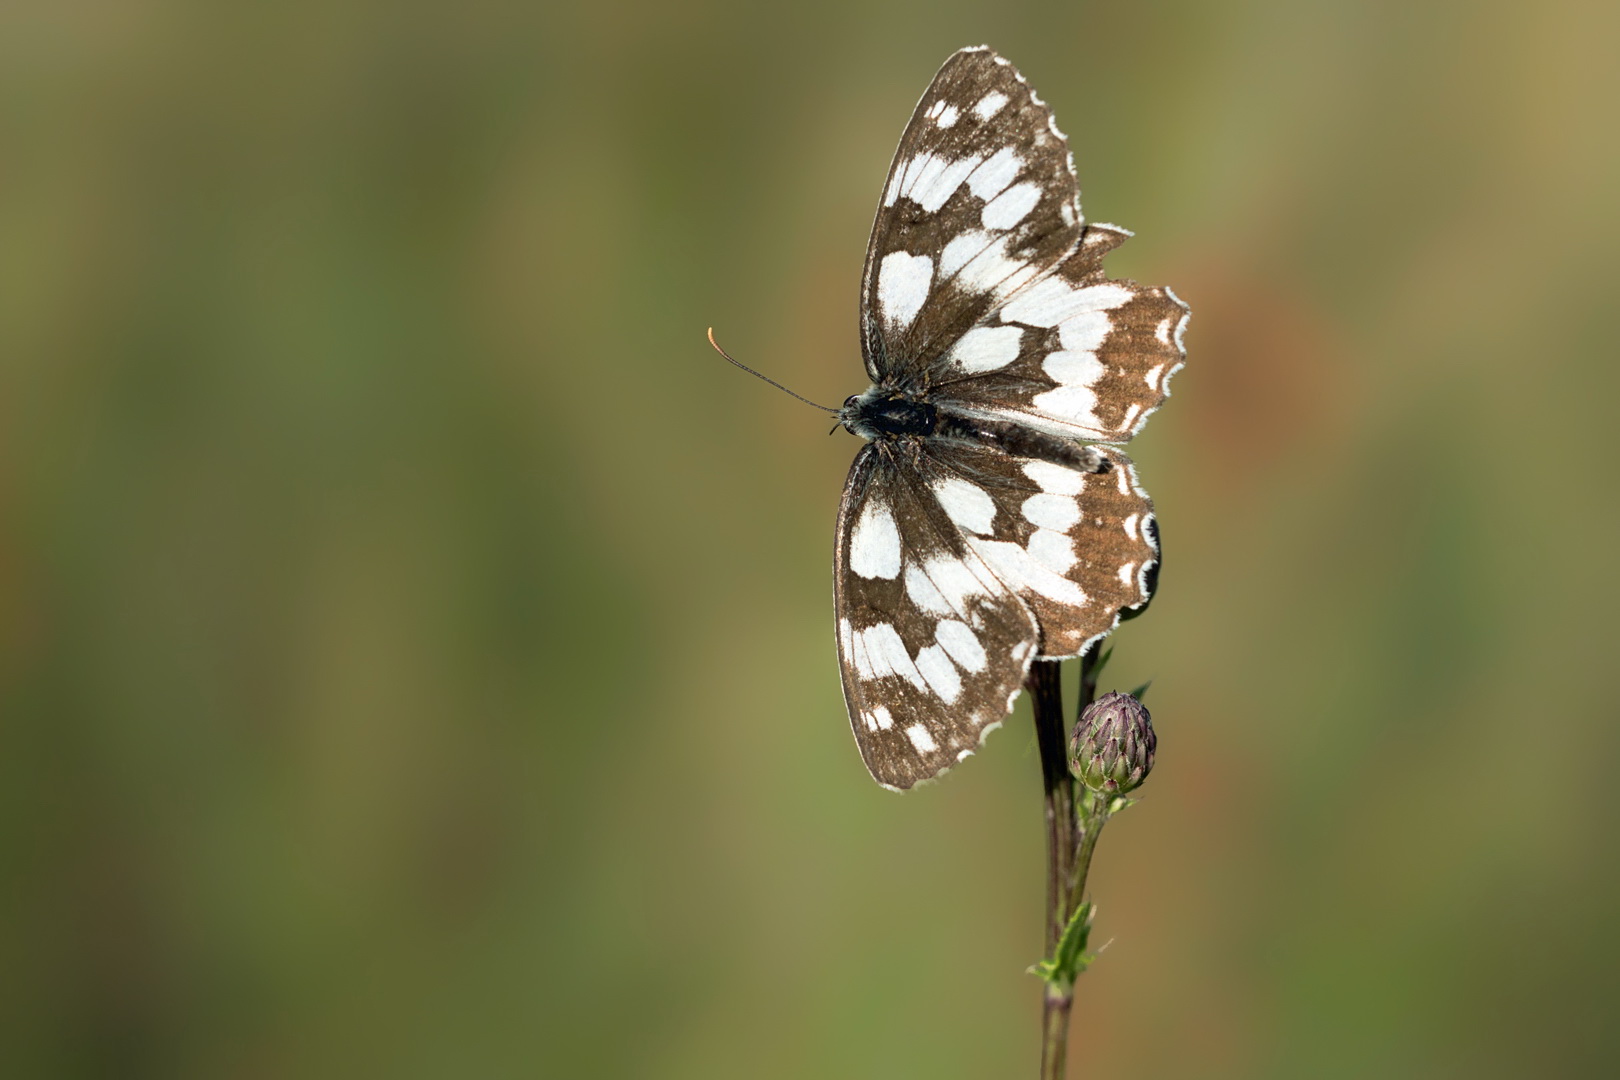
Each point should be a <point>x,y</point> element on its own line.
<point>933,645</point>
<point>981,198</point>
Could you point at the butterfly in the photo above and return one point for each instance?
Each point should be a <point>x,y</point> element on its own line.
<point>990,521</point>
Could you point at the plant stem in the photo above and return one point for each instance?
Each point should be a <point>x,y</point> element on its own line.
<point>1091,664</point>
<point>1046,696</point>
<point>1093,815</point>
<point>1055,1033</point>
<point>1046,692</point>
<point>1071,836</point>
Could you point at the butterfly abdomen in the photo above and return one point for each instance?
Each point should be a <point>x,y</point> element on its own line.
<point>1019,441</point>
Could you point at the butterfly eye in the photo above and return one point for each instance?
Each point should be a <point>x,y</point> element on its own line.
<point>849,402</point>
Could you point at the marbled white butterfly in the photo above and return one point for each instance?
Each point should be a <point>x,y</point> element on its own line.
<point>989,522</point>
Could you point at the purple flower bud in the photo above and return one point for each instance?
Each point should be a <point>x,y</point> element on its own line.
<point>1112,748</point>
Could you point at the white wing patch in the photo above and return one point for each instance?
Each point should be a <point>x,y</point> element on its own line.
<point>962,643</point>
<point>1010,207</point>
<point>936,666</point>
<point>1022,572</point>
<point>1047,511</point>
<point>1075,404</point>
<point>1074,368</point>
<point>929,180</point>
<point>933,179</point>
<point>921,590</point>
<point>903,283</point>
<point>1053,550</point>
<point>943,585</point>
<point>1058,479</point>
<point>966,504</point>
<point>987,348</point>
<point>998,170</point>
<point>1085,331</point>
<point>920,738</point>
<point>943,113</point>
<point>958,581</point>
<point>874,543</point>
<point>979,262</point>
<point>990,104</point>
<point>1051,302</point>
<point>879,652</point>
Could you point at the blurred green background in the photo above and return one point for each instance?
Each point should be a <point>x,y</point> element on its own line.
<point>416,655</point>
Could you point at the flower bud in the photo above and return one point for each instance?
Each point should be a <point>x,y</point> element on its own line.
<point>1112,748</point>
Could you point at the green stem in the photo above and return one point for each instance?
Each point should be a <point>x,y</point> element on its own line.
<point>1093,815</point>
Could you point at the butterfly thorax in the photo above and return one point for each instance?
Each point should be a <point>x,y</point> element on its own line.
<point>885,414</point>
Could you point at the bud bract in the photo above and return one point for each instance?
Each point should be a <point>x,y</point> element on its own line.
<point>1112,748</point>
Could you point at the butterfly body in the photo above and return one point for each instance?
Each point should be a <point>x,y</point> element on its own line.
<point>990,521</point>
<point>882,413</point>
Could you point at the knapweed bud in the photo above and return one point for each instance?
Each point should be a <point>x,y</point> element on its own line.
<point>1112,748</point>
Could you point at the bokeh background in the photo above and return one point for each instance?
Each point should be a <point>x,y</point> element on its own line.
<point>416,655</point>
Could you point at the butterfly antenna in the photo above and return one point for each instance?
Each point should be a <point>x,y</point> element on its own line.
<point>757,375</point>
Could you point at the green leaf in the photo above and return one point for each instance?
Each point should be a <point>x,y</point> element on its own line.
<point>1141,691</point>
<point>1070,958</point>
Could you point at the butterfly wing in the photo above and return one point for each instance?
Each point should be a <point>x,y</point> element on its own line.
<point>984,288</point>
<point>1071,353</point>
<point>1079,549</point>
<point>932,644</point>
<point>981,199</point>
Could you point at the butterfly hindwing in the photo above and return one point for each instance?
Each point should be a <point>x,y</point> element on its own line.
<point>933,646</point>
<point>981,198</point>
<point>1072,353</point>
<point>1077,548</point>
